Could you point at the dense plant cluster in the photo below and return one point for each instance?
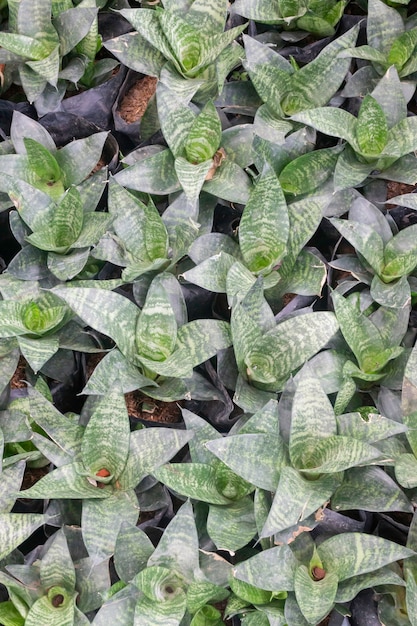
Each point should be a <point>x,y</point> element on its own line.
<point>249,253</point>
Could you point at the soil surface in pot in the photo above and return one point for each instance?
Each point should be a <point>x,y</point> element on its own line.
<point>134,103</point>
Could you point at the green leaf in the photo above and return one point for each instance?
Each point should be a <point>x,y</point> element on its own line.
<point>45,609</point>
<point>384,25</point>
<point>109,313</point>
<point>56,566</point>
<point>349,171</point>
<point>192,176</point>
<point>156,328</point>
<point>287,346</point>
<point>406,470</point>
<point>371,128</point>
<point>395,295</point>
<point>168,611</point>
<point>402,138</point>
<point>271,570</point>
<point>360,333</point>
<point>312,420</point>
<point>16,528</point>
<point>132,551</point>
<point>67,481</point>
<point>261,241</point>
<point>400,254</point>
<point>42,162</point>
<point>78,158</point>
<point>204,135</point>
<point>193,480</point>
<point>355,492</point>
<point>107,515</point>
<point>136,53</point>
<point>402,49</point>
<point>148,449</point>
<point>232,527</point>
<point>154,173</point>
<point>178,548</point>
<point>314,84</point>
<point>330,121</point>
<point>315,597</point>
<point>23,46</point>
<point>183,39</point>
<point>364,239</point>
<point>108,423</point>
<point>202,339</point>
<point>309,171</point>
<point>258,458</point>
<point>296,498</point>
<point>352,554</point>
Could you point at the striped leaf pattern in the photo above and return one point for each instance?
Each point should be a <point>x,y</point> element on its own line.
<point>78,158</point>
<point>152,613</point>
<point>354,491</point>
<point>107,516</point>
<point>44,611</point>
<point>312,419</point>
<point>309,171</point>
<point>264,225</point>
<point>193,480</point>
<point>256,457</point>
<point>352,554</point>
<point>149,449</point>
<point>204,135</point>
<point>56,566</point>
<point>183,39</point>
<point>156,328</point>
<point>371,128</point>
<point>178,548</point>
<point>16,528</point>
<point>108,423</point>
<point>272,569</point>
<point>296,498</point>
<point>364,239</point>
<point>232,527</point>
<point>317,81</point>
<point>292,344</point>
<point>315,597</point>
<point>107,312</point>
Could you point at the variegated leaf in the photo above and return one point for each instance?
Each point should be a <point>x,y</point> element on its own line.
<point>272,569</point>
<point>364,239</point>
<point>137,53</point>
<point>264,225</point>
<point>232,527</point>
<point>156,328</point>
<point>108,515</point>
<point>204,135</point>
<point>371,128</point>
<point>78,158</point>
<point>192,176</point>
<point>16,528</point>
<point>354,491</point>
<point>107,312</point>
<point>108,423</point>
<point>154,173</point>
<point>193,480</point>
<point>296,498</point>
<point>309,171</point>
<point>56,566</point>
<point>178,548</point>
<point>257,457</point>
<point>352,554</point>
<point>292,344</point>
<point>148,449</point>
<point>315,597</point>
